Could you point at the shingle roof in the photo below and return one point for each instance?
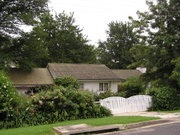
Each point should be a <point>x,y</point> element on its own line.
<point>38,76</point>
<point>82,71</point>
<point>126,73</point>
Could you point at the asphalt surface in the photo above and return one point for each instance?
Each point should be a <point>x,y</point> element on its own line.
<point>161,129</point>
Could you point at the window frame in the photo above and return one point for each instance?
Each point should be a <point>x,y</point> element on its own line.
<point>103,86</point>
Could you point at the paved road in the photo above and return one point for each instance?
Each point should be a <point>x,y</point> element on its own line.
<point>163,129</point>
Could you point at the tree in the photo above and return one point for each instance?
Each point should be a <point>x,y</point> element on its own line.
<point>114,52</point>
<point>160,32</point>
<point>13,14</point>
<point>17,12</point>
<point>54,39</point>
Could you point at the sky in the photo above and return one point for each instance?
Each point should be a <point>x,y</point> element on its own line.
<point>93,16</point>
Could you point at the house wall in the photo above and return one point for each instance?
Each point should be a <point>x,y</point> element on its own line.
<point>22,90</point>
<point>94,86</point>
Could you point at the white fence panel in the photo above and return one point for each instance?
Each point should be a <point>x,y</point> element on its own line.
<point>136,103</point>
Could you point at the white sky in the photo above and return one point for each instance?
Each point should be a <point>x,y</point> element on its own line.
<point>94,15</point>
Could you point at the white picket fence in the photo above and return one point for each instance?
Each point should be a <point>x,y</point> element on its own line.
<point>136,103</point>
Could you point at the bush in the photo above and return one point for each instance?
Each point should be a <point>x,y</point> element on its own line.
<point>131,87</point>
<point>10,103</point>
<point>103,95</point>
<point>164,98</point>
<point>67,82</point>
<point>57,104</point>
<point>66,104</point>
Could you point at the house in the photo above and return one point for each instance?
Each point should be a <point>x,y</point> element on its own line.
<point>25,80</point>
<point>93,77</point>
<point>126,73</point>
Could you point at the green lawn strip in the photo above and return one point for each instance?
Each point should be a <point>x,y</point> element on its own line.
<point>173,111</point>
<point>47,129</point>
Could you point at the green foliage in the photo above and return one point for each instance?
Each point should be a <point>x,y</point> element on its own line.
<point>160,42</point>
<point>66,104</point>
<point>131,87</point>
<point>103,95</point>
<point>27,52</point>
<point>13,14</point>
<point>20,12</point>
<point>54,39</point>
<point>176,72</point>
<point>47,107</point>
<point>108,93</point>
<point>67,82</point>
<point>10,103</point>
<point>114,52</point>
<point>164,98</point>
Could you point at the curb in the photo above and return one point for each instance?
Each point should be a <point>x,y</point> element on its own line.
<point>108,129</point>
<point>152,122</point>
<point>146,123</point>
<point>143,124</point>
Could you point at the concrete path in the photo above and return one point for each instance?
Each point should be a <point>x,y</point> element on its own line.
<point>151,114</point>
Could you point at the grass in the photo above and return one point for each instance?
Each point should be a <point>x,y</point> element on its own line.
<point>173,111</point>
<point>47,129</point>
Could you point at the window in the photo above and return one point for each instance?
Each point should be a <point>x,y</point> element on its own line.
<point>103,86</point>
<point>81,86</point>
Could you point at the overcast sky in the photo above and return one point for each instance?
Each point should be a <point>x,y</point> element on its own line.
<point>94,15</point>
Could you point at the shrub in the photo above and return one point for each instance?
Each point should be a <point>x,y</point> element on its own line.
<point>120,94</point>
<point>67,82</point>
<point>103,95</point>
<point>131,87</point>
<point>9,102</point>
<point>164,98</point>
<point>108,93</point>
<point>46,107</point>
<point>66,104</point>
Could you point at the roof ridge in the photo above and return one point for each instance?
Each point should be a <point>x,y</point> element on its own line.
<point>77,63</point>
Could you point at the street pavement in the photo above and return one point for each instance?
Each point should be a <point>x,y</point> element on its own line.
<point>160,129</point>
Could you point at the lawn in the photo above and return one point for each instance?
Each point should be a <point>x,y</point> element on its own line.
<point>47,129</point>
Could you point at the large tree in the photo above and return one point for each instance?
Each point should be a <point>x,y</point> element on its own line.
<point>54,39</point>
<point>114,52</point>
<point>13,14</point>
<point>159,50</point>
<point>17,12</point>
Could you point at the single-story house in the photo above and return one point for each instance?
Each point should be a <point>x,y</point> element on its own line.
<point>126,73</point>
<point>93,77</point>
<point>25,80</point>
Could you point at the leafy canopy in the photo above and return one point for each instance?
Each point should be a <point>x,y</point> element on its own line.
<point>159,49</point>
<point>13,14</point>
<point>53,39</point>
<point>17,12</point>
<point>114,52</point>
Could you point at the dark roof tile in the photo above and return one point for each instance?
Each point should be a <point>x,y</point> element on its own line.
<point>38,76</point>
<point>126,73</point>
<point>82,71</point>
